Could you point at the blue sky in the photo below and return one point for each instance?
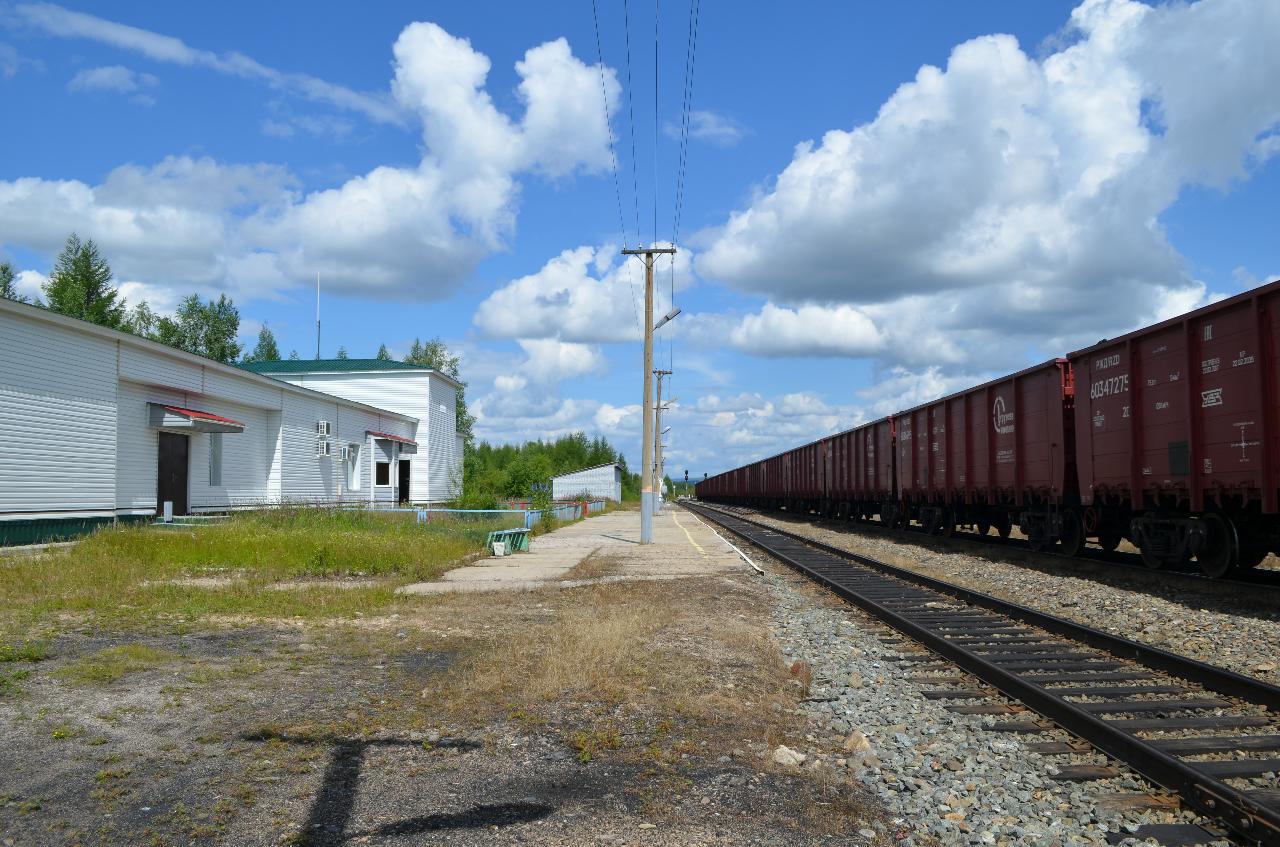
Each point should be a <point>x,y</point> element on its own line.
<point>883,202</point>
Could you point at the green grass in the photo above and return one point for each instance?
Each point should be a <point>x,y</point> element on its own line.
<point>108,665</point>
<point>132,575</point>
<point>12,653</point>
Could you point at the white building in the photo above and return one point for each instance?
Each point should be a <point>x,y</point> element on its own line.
<point>434,474</point>
<point>97,424</point>
<point>601,481</point>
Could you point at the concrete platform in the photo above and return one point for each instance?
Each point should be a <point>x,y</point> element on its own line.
<point>682,546</point>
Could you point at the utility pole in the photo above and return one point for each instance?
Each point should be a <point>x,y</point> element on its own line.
<point>646,449</point>
<point>657,454</point>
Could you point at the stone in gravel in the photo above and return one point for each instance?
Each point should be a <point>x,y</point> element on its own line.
<point>788,758</point>
<point>855,680</point>
<point>857,742</point>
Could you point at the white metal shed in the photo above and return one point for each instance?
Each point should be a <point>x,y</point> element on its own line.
<point>600,481</point>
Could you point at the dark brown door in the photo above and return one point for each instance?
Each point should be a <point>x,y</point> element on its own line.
<point>172,484</point>
<point>404,480</point>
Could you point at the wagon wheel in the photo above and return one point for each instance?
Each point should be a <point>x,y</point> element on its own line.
<point>1003,525</point>
<point>948,529</point>
<point>1221,547</point>
<point>1151,560</point>
<point>1072,533</point>
<point>983,526</point>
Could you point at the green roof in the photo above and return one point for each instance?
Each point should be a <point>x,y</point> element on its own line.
<point>297,366</point>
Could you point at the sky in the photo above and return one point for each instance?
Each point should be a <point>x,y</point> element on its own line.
<point>872,204</point>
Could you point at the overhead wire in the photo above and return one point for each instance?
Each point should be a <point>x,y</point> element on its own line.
<point>631,111</point>
<point>613,159</point>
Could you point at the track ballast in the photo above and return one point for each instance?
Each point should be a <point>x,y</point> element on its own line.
<point>1104,689</point>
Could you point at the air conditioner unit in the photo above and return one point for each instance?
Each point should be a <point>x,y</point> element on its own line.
<point>322,429</point>
<point>323,448</point>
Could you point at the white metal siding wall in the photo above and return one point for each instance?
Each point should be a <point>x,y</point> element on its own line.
<point>442,427</point>
<point>305,477</point>
<point>246,460</point>
<point>57,419</point>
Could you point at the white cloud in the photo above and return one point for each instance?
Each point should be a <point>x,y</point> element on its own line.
<point>585,294</point>
<point>116,78</point>
<point>609,418</point>
<point>30,284</point>
<point>55,20</point>
<point>405,233</point>
<point>549,361</point>
<point>807,331</point>
<point>710,127</point>
<point>1006,202</point>
<point>327,127</point>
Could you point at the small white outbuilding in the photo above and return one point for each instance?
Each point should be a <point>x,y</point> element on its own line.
<point>599,482</point>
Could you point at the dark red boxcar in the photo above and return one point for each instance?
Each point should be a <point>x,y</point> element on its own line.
<point>991,456</point>
<point>1177,435</point>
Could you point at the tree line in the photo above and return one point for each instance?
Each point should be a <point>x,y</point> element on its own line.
<point>494,473</point>
<point>80,286</point>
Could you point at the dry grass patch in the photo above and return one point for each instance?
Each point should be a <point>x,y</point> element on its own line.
<point>643,669</point>
<point>594,566</point>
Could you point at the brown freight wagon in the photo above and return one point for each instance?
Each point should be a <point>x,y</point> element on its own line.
<point>862,469</point>
<point>1177,435</point>
<point>992,456</point>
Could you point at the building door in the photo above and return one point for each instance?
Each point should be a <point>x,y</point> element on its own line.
<point>404,480</point>
<point>172,474</point>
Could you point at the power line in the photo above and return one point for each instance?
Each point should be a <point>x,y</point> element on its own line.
<point>631,110</point>
<point>691,55</point>
<point>613,159</point>
<point>656,64</point>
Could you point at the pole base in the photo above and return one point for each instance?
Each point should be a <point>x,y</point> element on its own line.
<point>646,516</point>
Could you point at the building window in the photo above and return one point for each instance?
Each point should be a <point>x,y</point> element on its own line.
<point>215,459</point>
<point>353,467</point>
<point>382,473</point>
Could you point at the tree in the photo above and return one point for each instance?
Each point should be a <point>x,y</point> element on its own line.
<point>80,285</point>
<point>435,355</point>
<point>140,320</point>
<point>383,355</point>
<point>8,288</point>
<point>206,329</point>
<point>342,352</point>
<point>266,349</point>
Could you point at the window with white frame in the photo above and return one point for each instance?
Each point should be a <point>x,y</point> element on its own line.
<point>353,467</point>
<point>215,459</point>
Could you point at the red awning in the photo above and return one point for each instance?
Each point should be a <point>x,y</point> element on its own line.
<point>196,414</point>
<point>389,437</point>
<point>193,420</point>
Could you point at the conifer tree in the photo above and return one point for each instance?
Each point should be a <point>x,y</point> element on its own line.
<point>80,285</point>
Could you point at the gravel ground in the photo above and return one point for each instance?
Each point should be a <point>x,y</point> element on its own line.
<point>944,777</point>
<point>1231,631</point>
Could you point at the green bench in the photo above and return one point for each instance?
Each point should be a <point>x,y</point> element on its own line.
<point>516,540</point>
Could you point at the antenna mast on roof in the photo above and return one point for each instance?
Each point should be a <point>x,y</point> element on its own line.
<point>317,316</point>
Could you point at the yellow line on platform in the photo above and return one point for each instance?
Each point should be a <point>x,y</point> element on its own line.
<point>690,537</point>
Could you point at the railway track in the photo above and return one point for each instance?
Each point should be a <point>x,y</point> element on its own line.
<point>1207,734</point>
<point>1117,560</point>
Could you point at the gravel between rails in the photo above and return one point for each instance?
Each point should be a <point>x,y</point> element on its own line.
<point>946,778</point>
<point>1237,633</point>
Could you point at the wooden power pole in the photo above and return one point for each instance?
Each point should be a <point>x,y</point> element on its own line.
<point>646,449</point>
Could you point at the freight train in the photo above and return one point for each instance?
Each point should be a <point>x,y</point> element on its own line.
<point>1168,437</point>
